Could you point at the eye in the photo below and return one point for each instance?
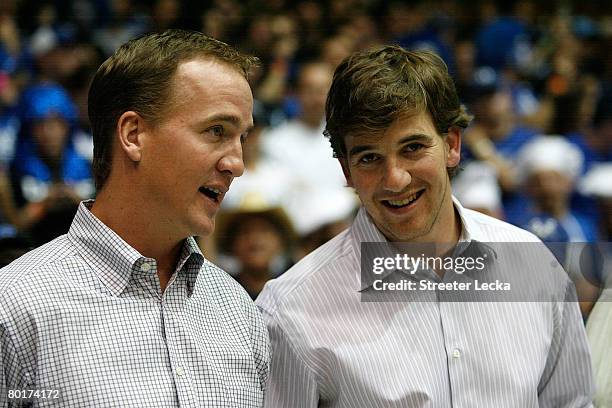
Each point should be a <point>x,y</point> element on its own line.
<point>244,137</point>
<point>368,158</point>
<point>217,131</point>
<point>413,147</point>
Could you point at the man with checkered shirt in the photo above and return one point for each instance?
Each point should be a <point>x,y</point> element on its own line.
<point>124,310</point>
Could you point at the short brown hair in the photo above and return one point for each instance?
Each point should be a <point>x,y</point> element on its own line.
<point>372,88</point>
<point>137,77</point>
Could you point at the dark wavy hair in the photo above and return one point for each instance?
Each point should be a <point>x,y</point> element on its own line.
<point>372,88</point>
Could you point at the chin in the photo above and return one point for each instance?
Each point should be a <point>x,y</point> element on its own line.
<point>408,233</point>
<point>203,228</point>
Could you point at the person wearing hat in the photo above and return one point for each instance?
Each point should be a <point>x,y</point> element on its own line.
<point>596,184</point>
<point>549,167</point>
<point>260,238</point>
<point>48,167</point>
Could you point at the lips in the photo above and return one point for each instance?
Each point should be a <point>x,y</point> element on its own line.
<point>214,193</point>
<point>404,202</point>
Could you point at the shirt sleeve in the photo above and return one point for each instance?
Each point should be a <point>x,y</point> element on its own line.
<point>12,374</point>
<point>261,346</point>
<point>567,380</point>
<point>3,387</point>
<point>291,382</point>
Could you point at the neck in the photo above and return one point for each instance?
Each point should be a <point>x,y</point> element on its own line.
<point>256,273</point>
<point>254,279</point>
<point>132,222</point>
<point>446,228</point>
<point>554,207</point>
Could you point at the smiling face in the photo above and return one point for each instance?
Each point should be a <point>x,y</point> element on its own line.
<point>191,156</point>
<point>402,181</point>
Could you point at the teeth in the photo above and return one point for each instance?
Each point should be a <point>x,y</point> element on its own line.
<point>401,203</point>
<point>214,190</point>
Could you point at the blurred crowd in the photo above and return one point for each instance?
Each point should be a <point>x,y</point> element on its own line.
<point>537,77</point>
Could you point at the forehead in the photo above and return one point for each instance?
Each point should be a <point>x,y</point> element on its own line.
<point>406,124</point>
<point>208,77</point>
<point>202,86</point>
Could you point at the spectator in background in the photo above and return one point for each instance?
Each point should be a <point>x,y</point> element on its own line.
<point>9,129</point>
<point>476,188</point>
<point>335,49</point>
<point>299,145</point>
<point>48,166</point>
<point>496,136</point>
<point>263,177</point>
<point>260,240</point>
<point>420,33</point>
<point>549,167</point>
<point>120,21</point>
<point>501,40</point>
<point>597,184</point>
<point>263,174</point>
<point>165,15</point>
<point>10,41</point>
<point>595,141</point>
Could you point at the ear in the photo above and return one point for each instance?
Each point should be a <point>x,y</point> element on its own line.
<point>453,147</point>
<point>347,174</point>
<point>130,128</point>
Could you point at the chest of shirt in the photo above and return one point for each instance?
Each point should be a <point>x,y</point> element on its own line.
<point>429,354</point>
<point>139,351</point>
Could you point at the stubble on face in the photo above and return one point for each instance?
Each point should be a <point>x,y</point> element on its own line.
<point>402,179</point>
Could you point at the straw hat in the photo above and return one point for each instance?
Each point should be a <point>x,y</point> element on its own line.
<point>252,205</point>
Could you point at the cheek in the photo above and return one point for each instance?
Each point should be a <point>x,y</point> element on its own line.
<point>364,184</point>
<point>430,168</point>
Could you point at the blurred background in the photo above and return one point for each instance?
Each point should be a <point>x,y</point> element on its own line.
<point>536,75</point>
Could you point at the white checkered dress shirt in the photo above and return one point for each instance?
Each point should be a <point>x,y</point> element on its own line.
<point>84,314</point>
<point>330,349</point>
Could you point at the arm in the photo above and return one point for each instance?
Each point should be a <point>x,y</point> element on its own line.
<point>567,380</point>
<point>291,382</point>
<point>12,374</point>
<point>483,149</point>
<point>261,346</point>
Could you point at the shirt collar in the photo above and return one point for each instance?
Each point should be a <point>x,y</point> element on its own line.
<point>113,259</point>
<point>364,230</point>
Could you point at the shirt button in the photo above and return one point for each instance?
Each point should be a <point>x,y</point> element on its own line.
<point>145,267</point>
<point>180,371</point>
<point>456,353</point>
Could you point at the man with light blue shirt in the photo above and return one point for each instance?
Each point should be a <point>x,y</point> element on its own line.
<point>124,310</point>
<point>394,122</point>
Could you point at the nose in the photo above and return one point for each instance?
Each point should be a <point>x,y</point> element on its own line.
<point>395,177</point>
<point>231,161</point>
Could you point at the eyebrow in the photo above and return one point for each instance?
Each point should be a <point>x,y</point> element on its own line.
<point>407,139</point>
<point>234,120</point>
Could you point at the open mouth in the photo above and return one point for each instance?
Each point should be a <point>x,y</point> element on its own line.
<point>211,193</point>
<point>405,202</point>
